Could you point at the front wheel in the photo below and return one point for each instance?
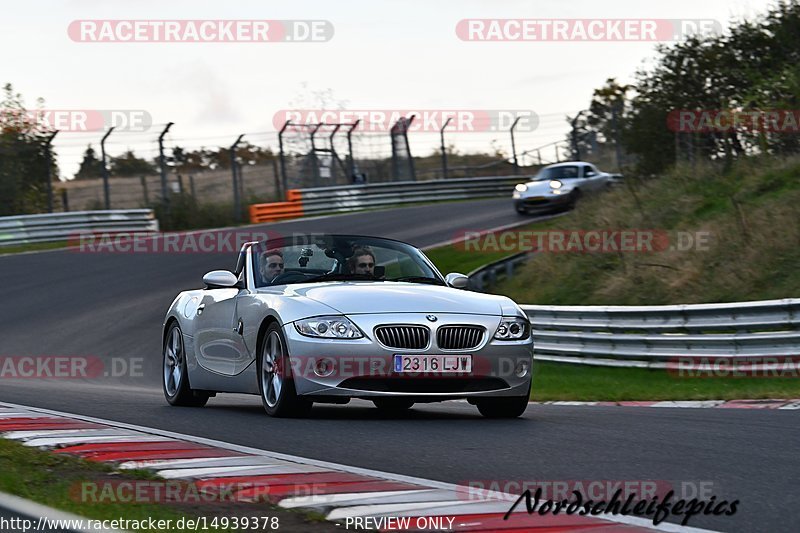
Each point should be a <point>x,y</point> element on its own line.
<point>176,375</point>
<point>275,380</point>
<point>511,407</point>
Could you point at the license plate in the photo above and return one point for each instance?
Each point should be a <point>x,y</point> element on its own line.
<point>445,364</point>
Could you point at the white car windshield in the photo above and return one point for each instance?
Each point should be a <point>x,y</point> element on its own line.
<point>317,258</point>
<point>558,173</point>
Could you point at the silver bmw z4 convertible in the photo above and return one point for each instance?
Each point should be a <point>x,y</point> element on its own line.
<point>326,318</point>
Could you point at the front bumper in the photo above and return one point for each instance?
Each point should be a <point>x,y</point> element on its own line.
<point>542,202</point>
<point>363,368</point>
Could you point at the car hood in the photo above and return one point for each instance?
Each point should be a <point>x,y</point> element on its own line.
<point>352,298</point>
<point>543,186</point>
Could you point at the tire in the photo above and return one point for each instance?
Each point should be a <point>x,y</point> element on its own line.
<point>574,196</point>
<point>511,407</point>
<point>175,379</point>
<point>393,405</point>
<point>275,381</point>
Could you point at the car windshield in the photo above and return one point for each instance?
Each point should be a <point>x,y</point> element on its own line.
<point>558,173</point>
<point>316,258</point>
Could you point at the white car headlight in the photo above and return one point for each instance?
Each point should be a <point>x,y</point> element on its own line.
<point>512,329</point>
<point>555,184</point>
<point>328,327</point>
<point>521,187</point>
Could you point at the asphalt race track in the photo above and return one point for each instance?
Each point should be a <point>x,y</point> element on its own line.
<point>112,305</point>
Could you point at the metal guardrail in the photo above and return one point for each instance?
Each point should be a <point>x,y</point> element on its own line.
<point>346,198</point>
<point>655,336</point>
<point>485,276</point>
<point>52,227</point>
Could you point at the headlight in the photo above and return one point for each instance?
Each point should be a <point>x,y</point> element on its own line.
<point>512,329</point>
<point>521,187</point>
<point>328,327</point>
<point>555,184</point>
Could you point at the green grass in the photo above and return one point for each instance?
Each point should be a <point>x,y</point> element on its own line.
<point>32,247</point>
<point>55,480</point>
<point>455,258</point>
<point>558,381</point>
<point>750,212</point>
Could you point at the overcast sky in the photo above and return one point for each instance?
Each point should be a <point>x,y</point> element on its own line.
<point>383,55</point>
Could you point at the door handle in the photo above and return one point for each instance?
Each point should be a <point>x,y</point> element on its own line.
<point>239,327</point>
<point>200,309</point>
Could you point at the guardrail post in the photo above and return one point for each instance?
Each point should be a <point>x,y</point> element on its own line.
<point>351,167</point>
<point>64,200</point>
<point>162,164</point>
<point>314,159</point>
<point>237,202</point>
<point>444,150</point>
<point>106,192</point>
<point>143,180</point>
<point>277,182</point>
<point>283,156</point>
<point>49,171</point>
<point>514,146</point>
<point>191,186</point>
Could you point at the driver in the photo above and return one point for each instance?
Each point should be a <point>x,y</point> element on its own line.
<point>270,265</point>
<point>362,261</point>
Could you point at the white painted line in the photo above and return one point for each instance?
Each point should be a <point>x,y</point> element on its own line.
<point>791,405</point>
<point>22,414</point>
<point>341,498</point>
<point>697,404</point>
<point>198,462</point>
<point>325,465</point>
<point>59,441</point>
<point>570,403</point>
<point>475,507</point>
<point>389,509</point>
<point>205,473</point>
<point>27,435</point>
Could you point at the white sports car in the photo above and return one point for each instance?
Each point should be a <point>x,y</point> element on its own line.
<point>559,186</point>
<point>326,318</point>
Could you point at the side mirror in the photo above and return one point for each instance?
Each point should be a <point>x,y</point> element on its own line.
<point>456,280</point>
<point>217,279</point>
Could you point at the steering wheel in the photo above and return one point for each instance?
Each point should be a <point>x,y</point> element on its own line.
<point>289,277</point>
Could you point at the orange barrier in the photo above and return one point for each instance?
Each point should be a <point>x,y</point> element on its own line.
<point>275,211</point>
<point>294,195</point>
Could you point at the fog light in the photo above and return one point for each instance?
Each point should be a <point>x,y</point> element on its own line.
<point>522,369</point>
<point>323,368</point>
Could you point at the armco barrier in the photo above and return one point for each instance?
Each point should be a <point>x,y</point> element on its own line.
<point>275,211</point>
<point>356,197</point>
<point>52,227</point>
<point>652,336</point>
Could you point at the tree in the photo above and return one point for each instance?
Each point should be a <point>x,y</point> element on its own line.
<point>128,164</point>
<point>91,167</point>
<point>24,158</point>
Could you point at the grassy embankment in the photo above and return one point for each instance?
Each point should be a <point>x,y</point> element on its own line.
<point>749,221</point>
